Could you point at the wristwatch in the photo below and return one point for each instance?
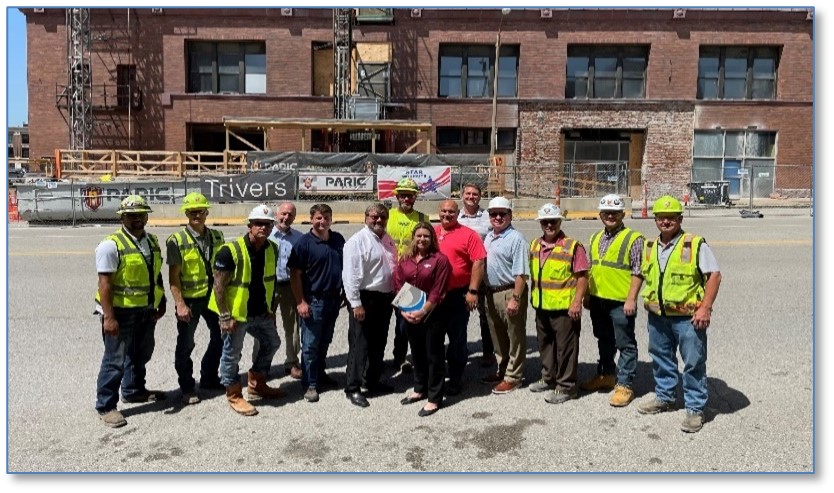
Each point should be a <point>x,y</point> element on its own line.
<point>472,291</point>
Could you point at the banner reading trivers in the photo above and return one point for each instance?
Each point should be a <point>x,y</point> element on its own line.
<point>255,186</point>
<point>435,182</point>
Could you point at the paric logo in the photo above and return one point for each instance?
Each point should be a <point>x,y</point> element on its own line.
<point>93,197</point>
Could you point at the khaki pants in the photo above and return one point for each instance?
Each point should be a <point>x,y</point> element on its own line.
<point>508,333</point>
<point>289,318</point>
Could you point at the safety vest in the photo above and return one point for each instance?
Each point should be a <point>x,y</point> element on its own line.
<point>611,275</point>
<point>680,288</point>
<point>553,285</point>
<point>134,277</point>
<point>194,274</point>
<point>401,227</point>
<point>237,291</point>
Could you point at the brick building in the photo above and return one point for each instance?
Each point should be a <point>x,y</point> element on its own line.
<point>628,97</point>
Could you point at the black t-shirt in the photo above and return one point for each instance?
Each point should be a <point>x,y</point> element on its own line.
<point>257,292</point>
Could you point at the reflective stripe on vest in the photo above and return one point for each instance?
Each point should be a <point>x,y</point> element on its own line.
<point>194,276</point>
<point>679,288</point>
<point>552,285</point>
<point>237,291</point>
<point>132,281</point>
<point>611,275</point>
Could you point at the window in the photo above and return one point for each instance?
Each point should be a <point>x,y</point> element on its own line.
<point>448,137</point>
<point>596,161</point>
<point>737,72</point>
<point>606,72</point>
<point>735,156</point>
<point>374,15</point>
<point>125,84</point>
<point>227,67</point>
<point>467,71</point>
<point>373,80</point>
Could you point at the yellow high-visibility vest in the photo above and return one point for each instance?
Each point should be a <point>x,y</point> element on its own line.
<point>194,277</point>
<point>679,289</point>
<point>553,285</point>
<point>135,280</point>
<point>237,291</point>
<point>611,275</point>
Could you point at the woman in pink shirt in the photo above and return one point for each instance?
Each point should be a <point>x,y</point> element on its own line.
<point>424,267</point>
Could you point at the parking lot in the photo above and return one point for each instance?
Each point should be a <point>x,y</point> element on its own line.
<point>760,369</point>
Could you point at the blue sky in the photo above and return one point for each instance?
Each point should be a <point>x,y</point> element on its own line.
<point>18,98</point>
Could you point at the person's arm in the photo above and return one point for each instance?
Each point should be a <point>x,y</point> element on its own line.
<point>298,292</point>
<point>575,309</point>
<point>521,272</point>
<point>475,281</point>
<point>223,270</point>
<point>352,274</point>
<point>181,309</point>
<point>709,266</point>
<point>105,289</point>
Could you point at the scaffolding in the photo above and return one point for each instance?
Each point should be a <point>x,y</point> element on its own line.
<point>79,79</point>
<point>342,44</point>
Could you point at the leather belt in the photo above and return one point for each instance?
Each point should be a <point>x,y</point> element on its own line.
<point>498,289</point>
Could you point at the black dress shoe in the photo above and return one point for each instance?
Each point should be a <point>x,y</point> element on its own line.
<point>357,399</point>
<point>411,400</point>
<point>424,412</point>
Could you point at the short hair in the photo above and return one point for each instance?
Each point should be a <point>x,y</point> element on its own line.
<point>324,209</point>
<point>472,185</point>
<point>434,246</point>
<point>379,208</point>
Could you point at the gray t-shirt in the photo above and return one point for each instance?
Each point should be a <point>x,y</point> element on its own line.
<point>706,259</point>
<point>107,254</point>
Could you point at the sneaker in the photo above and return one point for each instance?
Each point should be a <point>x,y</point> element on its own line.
<point>541,386</point>
<point>311,395</point>
<point>692,422</point>
<point>493,378</point>
<point>190,398</point>
<point>113,418</point>
<point>505,387</point>
<point>559,396</point>
<point>599,382</point>
<point>622,396</point>
<point>655,406</point>
<point>145,396</point>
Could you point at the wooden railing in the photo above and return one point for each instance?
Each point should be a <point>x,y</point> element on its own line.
<point>90,163</point>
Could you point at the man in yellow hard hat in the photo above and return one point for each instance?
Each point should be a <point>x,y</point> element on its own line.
<point>191,252</point>
<point>401,222</point>
<point>681,283</point>
<point>130,299</point>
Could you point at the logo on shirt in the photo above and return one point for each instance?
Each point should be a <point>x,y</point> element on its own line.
<point>427,265</point>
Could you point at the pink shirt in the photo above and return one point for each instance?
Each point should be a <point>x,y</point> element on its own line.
<point>463,247</point>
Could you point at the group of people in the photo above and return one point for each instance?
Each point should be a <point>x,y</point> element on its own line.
<point>472,260</point>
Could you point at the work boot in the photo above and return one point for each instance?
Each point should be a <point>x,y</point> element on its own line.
<point>234,394</point>
<point>259,389</point>
<point>621,397</point>
<point>599,382</point>
<point>692,422</point>
<point>655,406</point>
<point>113,418</point>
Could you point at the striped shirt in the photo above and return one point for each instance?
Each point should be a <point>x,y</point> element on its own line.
<point>634,255</point>
<point>507,257</point>
<point>285,243</point>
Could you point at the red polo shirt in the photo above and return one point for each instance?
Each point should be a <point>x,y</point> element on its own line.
<point>463,247</point>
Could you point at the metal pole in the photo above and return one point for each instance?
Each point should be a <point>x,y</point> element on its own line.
<point>72,200</point>
<point>750,182</point>
<point>493,138</point>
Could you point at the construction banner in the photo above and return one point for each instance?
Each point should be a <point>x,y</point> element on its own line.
<point>435,182</point>
<point>255,186</point>
<point>334,183</point>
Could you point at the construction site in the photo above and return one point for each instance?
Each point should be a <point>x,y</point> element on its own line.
<point>713,105</point>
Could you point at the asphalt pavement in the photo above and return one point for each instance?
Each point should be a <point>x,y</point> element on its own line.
<point>760,370</point>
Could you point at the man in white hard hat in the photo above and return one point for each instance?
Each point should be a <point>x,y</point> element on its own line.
<point>507,270</point>
<point>244,298</point>
<point>615,282</point>
<point>559,278</point>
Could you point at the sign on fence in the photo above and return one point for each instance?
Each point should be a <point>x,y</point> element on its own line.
<point>255,186</point>
<point>335,183</point>
<point>435,182</point>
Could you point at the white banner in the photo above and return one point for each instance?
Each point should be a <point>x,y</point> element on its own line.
<point>435,182</point>
<point>315,183</point>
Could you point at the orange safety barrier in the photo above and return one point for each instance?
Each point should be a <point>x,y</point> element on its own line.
<point>14,213</point>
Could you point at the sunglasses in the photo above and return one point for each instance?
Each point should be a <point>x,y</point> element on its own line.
<point>550,222</point>
<point>261,224</point>
<point>498,214</point>
<point>196,213</point>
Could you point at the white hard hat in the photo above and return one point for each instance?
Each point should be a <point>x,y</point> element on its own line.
<point>500,203</point>
<point>261,213</point>
<point>550,211</point>
<point>611,202</point>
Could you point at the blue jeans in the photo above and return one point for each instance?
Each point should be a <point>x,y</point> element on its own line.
<point>125,356</point>
<point>614,332</point>
<point>453,317</point>
<point>262,328</point>
<point>666,336</point>
<point>316,336</point>
<point>185,345</point>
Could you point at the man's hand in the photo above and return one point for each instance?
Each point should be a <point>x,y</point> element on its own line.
<point>630,308</point>
<point>575,310</point>
<point>229,325</point>
<point>512,307</point>
<point>183,312</point>
<point>111,326</point>
<point>303,309</point>
<point>471,301</point>
<point>701,318</point>
<point>359,313</point>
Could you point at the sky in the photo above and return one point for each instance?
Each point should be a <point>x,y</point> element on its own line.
<point>18,102</point>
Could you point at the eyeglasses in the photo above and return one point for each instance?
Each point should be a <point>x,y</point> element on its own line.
<point>374,217</point>
<point>261,224</point>
<point>671,219</point>
<point>196,212</point>
<point>406,196</point>
<point>609,213</point>
<point>498,214</point>
<point>550,222</point>
<point>135,215</point>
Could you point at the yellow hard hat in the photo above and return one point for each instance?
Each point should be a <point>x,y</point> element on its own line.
<point>407,185</point>
<point>194,200</point>
<point>667,203</point>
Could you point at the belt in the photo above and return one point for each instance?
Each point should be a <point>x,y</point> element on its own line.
<point>282,283</point>
<point>326,294</point>
<point>498,289</point>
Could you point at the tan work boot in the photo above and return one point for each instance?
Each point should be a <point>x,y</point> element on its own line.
<point>259,389</point>
<point>234,394</point>
<point>622,396</point>
<point>599,382</point>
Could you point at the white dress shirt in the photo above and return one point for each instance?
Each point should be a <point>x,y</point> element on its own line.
<point>369,263</point>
